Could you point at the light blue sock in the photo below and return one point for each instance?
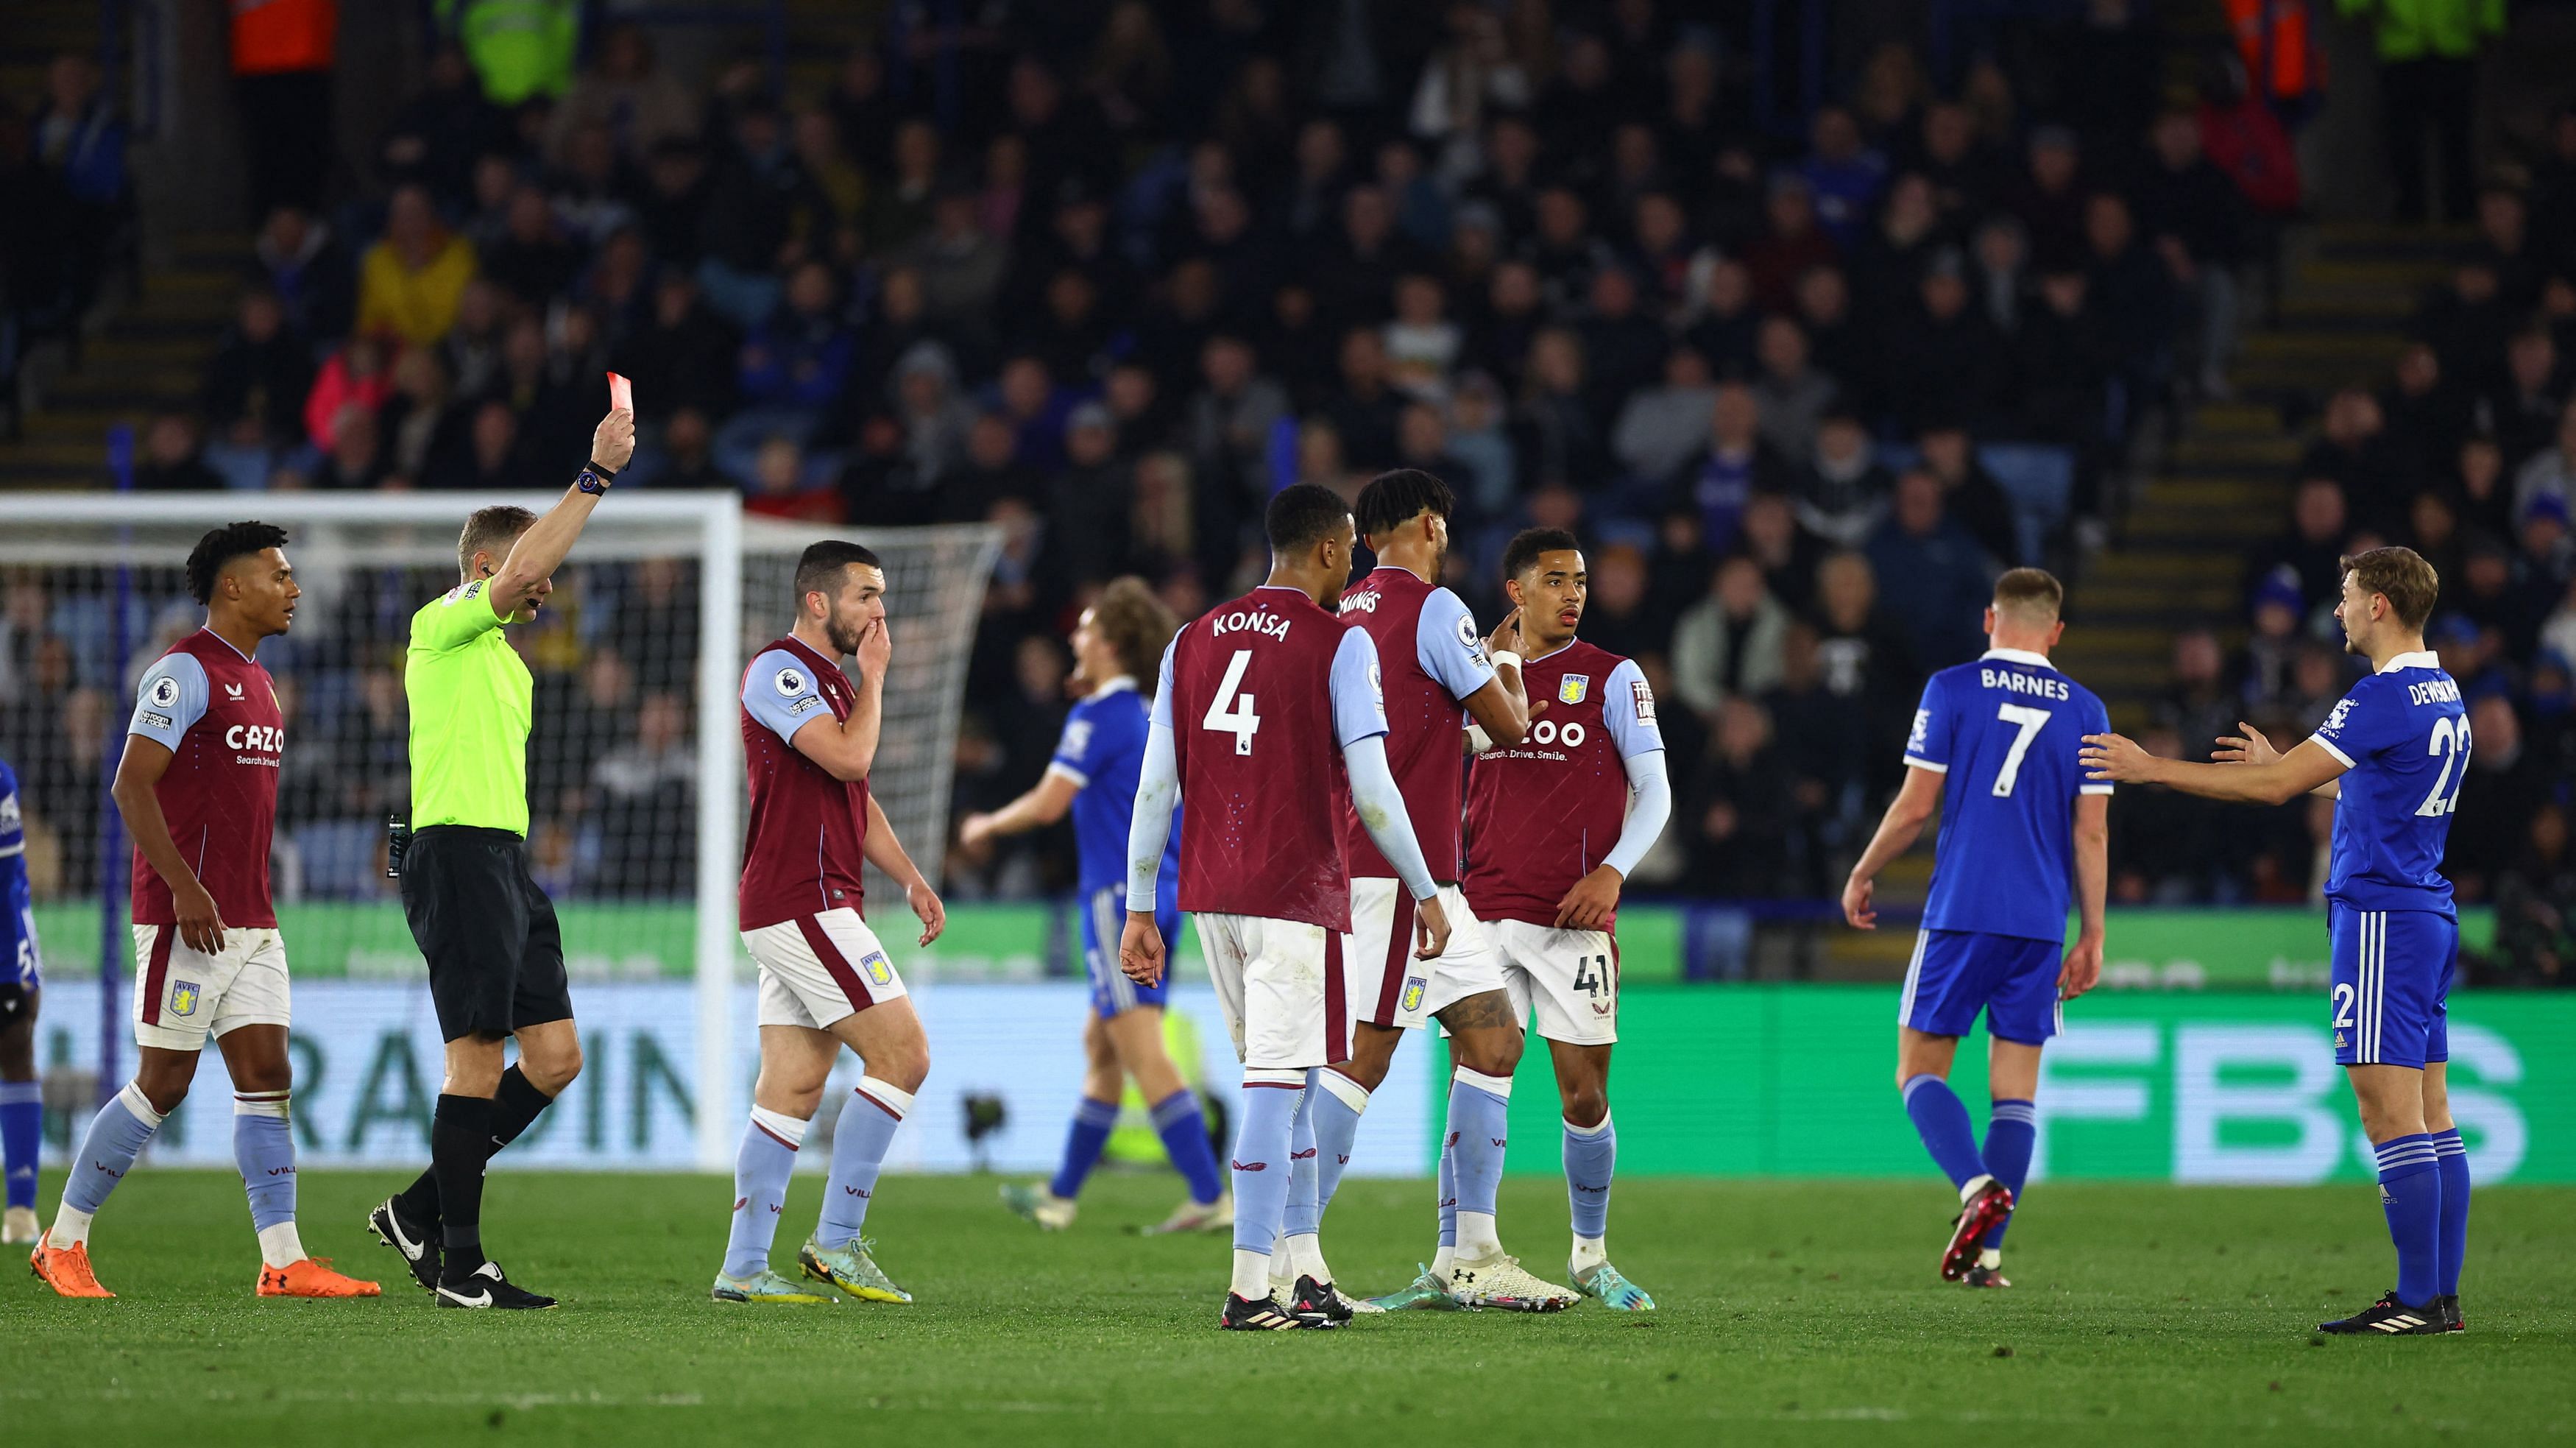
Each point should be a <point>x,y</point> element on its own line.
<point>1479,1127</point>
<point>2410,1192</point>
<point>1092,1123</point>
<point>1183,1128</point>
<point>2451,1158</point>
<point>760,1171</point>
<point>1303,1216</point>
<point>264,1149</point>
<point>116,1136</point>
<point>1260,1164</point>
<point>2010,1135</point>
<point>1591,1155</point>
<point>1337,1125</point>
<point>1448,1195</point>
<point>1943,1124</point>
<point>22,1124</point>
<point>859,1143</point>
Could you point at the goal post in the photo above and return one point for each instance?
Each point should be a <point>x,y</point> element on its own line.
<point>637,790</point>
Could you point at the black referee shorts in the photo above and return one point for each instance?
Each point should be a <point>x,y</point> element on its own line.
<point>495,953</point>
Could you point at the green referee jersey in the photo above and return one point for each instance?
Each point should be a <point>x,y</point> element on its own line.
<point>471,702</point>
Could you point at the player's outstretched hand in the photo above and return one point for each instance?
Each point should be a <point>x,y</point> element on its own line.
<point>876,649</point>
<point>201,928</point>
<point>1506,637</point>
<point>2114,756</point>
<point>1857,911</point>
<point>2082,971</point>
<point>1589,903</point>
<point>975,830</point>
<point>2249,747</point>
<point>612,444</point>
<point>925,903</point>
<point>1430,929</point>
<point>1140,950</point>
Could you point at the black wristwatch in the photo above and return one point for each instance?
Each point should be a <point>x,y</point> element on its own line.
<point>595,477</point>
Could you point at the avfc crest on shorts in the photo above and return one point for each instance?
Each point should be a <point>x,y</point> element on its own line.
<point>879,971</point>
<point>183,997</point>
<point>1414,986</point>
<point>1572,688</point>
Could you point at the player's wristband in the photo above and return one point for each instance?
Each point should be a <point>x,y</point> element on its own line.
<point>1506,656</point>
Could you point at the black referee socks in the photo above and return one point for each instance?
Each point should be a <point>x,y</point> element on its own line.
<point>517,1104</point>
<point>460,1142</point>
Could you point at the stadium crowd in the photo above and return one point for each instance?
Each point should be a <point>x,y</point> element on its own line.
<point>1123,274</point>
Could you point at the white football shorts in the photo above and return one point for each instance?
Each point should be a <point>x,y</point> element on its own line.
<point>1387,985</point>
<point>182,996</point>
<point>1280,983</point>
<point>816,969</point>
<point>1568,978</point>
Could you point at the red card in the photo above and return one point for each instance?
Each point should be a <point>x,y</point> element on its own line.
<point>621,393</point>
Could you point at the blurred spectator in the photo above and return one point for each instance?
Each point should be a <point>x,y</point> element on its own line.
<point>2196,705</point>
<point>409,282</point>
<point>520,48</point>
<point>1728,644</point>
<point>2428,91</point>
<point>1843,493</point>
<point>1864,657</point>
<point>2550,471</point>
<point>2535,930</point>
<point>623,90</point>
<point>171,460</point>
<point>1791,394</point>
<point>2192,215</point>
<point>282,55</point>
<point>2311,548</point>
<point>2503,786</point>
<point>646,822</point>
<point>794,365</point>
<point>1925,558</point>
<point>1970,495</point>
<point>1739,807</point>
<point>261,373</point>
<point>297,257</point>
<point>1733,463</point>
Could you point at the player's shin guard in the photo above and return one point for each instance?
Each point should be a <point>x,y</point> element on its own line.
<point>22,1124</point>
<point>1591,1155</point>
<point>1260,1168</point>
<point>859,1142</point>
<point>515,1106</point>
<point>2010,1135</point>
<point>460,1142</point>
<point>264,1149</point>
<point>116,1136</point>
<point>760,1172</point>
<point>1479,1126</point>
<point>1337,1125</point>
<point>2410,1191</point>
<point>1178,1122</point>
<point>2451,1163</point>
<point>1089,1136</point>
<point>1943,1124</point>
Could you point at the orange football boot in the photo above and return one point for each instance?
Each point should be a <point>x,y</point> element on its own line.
<point>312,1277</point>
<point>65,1269</point>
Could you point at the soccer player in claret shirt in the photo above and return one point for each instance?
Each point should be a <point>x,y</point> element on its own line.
<point>2023,834</point>
<point>1556,823</point>
<point>809,735</point>
<point>197,786</point>
<point>1438,673</point>
<point>1117,647</point>
<point>1265,702</point>
<point>2392,755</point>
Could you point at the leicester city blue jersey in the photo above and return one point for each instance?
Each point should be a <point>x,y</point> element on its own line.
<point>2403,737</point>
<point>2005,730</point>
<point>1102,752</point>
<point>17,913</point>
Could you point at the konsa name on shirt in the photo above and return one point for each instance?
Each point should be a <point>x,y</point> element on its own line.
<point>2039,684</point>
<point>1262,622</point>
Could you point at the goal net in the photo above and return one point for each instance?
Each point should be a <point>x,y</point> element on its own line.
<point>636,792</point>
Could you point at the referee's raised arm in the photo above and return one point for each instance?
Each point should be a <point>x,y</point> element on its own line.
<point>527,575</point>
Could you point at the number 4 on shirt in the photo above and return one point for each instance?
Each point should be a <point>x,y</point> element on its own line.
<point>1230,712</point>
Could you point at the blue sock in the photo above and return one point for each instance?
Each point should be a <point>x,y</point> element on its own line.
<point>1261,1161</point>
<point>1178,1122</point>
<point>760,1171</point>
<point>2410,1191</point>
<point>859,1143</point>
<point>2451,1160</point>
<point>2010,1135</point>
<point>1479,1125</point>
<point>264,1149</point>
<point>22,1122</point>
<point>1337,1125</point>
<point>1303,1216</point>
<point>115,1138</point>
<point>1092,1123</point>
<point>1591,1154</point>
<point>1943,1124</point>
<point>1448,1196</point>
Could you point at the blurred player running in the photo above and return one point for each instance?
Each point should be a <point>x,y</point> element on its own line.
<point>197,787</point>
<point>1118,642</point>
<point>22,1102</point>
<point>1556,825</point>
<point>2022,835</point>
<point>1437,676</point>
<point>1264,703</point>
<point>809,736</point>
<point>2393,755</point>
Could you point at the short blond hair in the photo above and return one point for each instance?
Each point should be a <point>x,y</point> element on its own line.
<point>2030,593</point>
<point>491,530</point>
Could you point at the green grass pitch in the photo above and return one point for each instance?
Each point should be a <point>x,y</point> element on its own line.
<point>1792,1312</point>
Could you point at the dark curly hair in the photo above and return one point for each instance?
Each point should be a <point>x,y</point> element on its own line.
<point>216,551</point>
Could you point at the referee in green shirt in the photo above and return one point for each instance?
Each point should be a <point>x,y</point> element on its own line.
<point>496,966</point>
